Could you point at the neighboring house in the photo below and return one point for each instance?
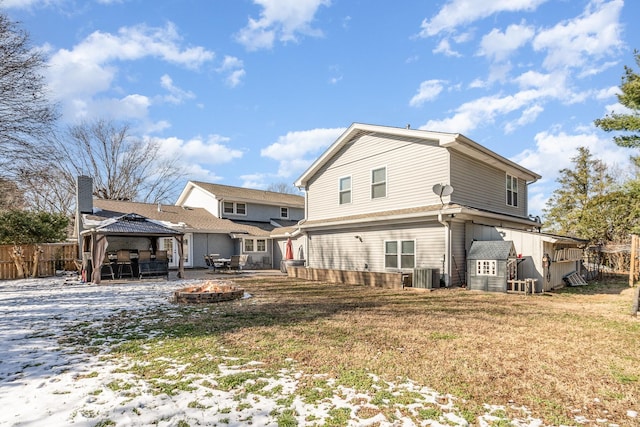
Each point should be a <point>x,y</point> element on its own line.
<point>274,213</point>
<point>203,233</point>
<point>265,209</point>
<point>386,199</point>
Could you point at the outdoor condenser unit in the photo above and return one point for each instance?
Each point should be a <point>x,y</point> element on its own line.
<point>426,278</point>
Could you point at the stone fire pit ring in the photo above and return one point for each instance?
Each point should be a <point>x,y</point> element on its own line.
<point>208,292</point>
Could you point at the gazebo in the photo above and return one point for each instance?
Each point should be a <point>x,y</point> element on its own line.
<point>134,228</point>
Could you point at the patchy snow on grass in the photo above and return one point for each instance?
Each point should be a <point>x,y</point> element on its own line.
<point>45,382</point>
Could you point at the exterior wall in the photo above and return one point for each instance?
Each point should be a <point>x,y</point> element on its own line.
<point>209,243</point>
<point>497,283</point>
<point>413,168</point>
<point>279,249</point>
<point>458,254</point>
<point>198,198</point>
<point>342,250</point>
<point>483,186</point>
<point>264,213</point>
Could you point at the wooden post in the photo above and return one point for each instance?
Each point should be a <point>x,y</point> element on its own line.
<point>632,261</point>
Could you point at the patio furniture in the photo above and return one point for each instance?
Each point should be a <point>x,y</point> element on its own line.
<point>123,260</point>
<point>149,267</point>
<point>107,268</point>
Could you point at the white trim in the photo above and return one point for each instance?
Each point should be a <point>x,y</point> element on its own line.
<point>399,254</point>
<point>287,215</point>
<point>340,191</point>
<point>385,182</point>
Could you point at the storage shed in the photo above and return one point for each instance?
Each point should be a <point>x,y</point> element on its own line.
<point>490,264</point>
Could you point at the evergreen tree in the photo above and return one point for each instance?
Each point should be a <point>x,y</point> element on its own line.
<point>571,210</point>
<point>626,122</point>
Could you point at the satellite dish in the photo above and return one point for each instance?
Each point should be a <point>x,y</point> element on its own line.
<point>442,190</point>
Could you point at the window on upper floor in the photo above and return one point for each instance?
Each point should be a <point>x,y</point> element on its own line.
<point>234,208</point>
<point>379,183</point>
<point>512,190</point>
<point>486,267</point>
<point>400,253</point>
<point>345,190</point>
<point>284,212</point>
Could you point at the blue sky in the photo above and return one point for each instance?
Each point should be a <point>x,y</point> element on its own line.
<point>250,92</point>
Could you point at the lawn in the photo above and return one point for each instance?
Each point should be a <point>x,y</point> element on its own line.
<point>562,357</point>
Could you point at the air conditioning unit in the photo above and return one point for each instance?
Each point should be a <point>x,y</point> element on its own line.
<point>426,278</point>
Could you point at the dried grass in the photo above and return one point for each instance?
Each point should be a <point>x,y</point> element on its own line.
<point>560,354</point>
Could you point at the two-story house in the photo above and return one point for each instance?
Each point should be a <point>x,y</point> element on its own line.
<point>268,211</point>
<point>386,199</point>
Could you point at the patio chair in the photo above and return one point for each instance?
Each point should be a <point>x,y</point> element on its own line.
<point>106,265</point>
<point>123,260</point>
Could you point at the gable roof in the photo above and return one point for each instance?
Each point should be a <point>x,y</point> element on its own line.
<point>453,141</point>
<point>175,217</point>
<point>241,194</point>
<point>492,249</point>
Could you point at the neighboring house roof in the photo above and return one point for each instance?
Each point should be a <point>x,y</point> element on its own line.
<point>240,194</point>
<point>493,249</point>
<point>176,217</point>
<point>453,141</point>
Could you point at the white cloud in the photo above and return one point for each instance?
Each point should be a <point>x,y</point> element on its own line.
<point>444,47</point>
<point>462,12</point>
<point>281,20</point>
<point>428,91</point>
<point>296,150</point>
<point>575,43</point>
<point>176,95</point>
<point>233,68</point>
<point>210,151</point>
<point>75,76</point>
<point>498,45</point>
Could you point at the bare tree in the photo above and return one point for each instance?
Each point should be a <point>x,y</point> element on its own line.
<point>26,115</point>
<point>123,167</point>
<point>283,187</point>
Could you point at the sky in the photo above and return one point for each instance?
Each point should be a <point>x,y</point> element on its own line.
<point>250,92</point>
<point>44,383</point>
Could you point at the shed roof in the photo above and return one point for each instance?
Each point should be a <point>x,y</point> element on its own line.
<point>492,249</point>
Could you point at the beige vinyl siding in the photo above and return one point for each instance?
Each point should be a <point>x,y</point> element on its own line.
<point>412,168</point>
<point>458,253</point>
<point>344,251</point>
<point>483,186</point>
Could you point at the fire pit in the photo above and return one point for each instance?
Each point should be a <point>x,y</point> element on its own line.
<point>207,292</point>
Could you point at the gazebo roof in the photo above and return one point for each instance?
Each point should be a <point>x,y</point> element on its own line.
<point>133,224</point>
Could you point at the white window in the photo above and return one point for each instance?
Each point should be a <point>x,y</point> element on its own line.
<point>284,212</point>
<point>234,208</point>
<point>512,191</point>
<point>379,183</point>
<point>486,267</point>
<point>255,245</point>
<point>345,190</point>
<point>400,253</point>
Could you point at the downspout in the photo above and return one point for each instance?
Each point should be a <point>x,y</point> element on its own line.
<point>446,262</point>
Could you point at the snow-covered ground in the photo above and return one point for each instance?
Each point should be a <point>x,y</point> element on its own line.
<point>46,383</point>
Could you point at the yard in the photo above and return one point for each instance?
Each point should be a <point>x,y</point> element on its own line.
<point>305,353</point>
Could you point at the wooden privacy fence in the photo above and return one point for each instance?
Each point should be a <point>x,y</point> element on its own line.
<point>53,257</point>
